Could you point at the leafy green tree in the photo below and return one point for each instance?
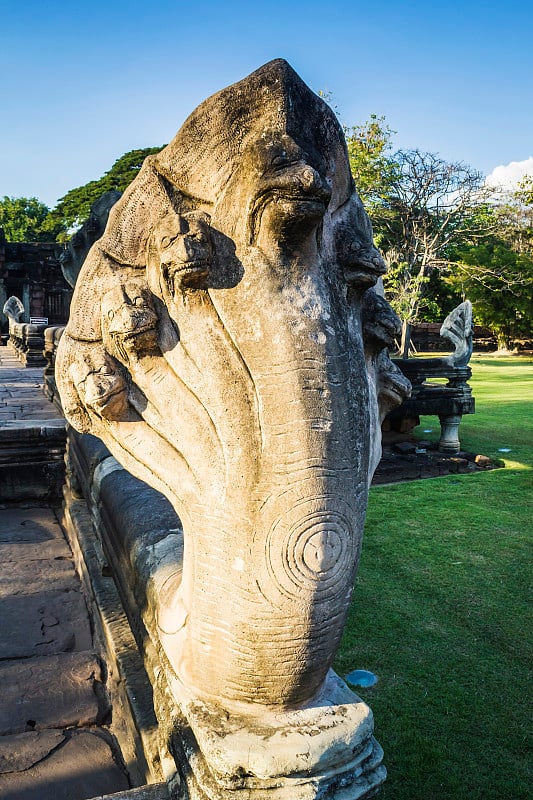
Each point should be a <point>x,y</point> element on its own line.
<point>419,205</point>
<point>499,282</point>
<point>369,151</point>
<point>26,219</point>
<point>73,209</point>
<point>444,235</point>
<point>525,191</point>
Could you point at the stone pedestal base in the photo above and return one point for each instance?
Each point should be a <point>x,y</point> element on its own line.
<point>449,436</point>
<point>325,750</point>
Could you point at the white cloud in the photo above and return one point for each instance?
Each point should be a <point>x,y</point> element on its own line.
<point>507,176</point>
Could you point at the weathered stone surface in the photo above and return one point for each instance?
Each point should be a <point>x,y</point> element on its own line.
<point>43,624</point>
<point>29,524</point>
<point>32,445</point>
<point>37,575</point>
<point>22,750</point>
<point>154,791</point>
<point>227,346</point>
<point>30,534</point>
<point>405,447</point>
<point>57,691</point>
<point>83,767</point>
<point>53,548</point>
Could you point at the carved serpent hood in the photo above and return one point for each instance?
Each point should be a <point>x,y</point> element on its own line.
<point>221,314</point>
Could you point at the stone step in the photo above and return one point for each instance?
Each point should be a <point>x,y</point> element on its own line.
<point>57,691</point>
<point>59,765</point>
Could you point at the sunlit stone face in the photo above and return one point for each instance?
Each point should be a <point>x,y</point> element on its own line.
<point>181,248</point>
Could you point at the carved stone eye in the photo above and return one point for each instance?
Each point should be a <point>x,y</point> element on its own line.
<point>280,160</point>
<point>138,301</point>
<point>166,241</point>
<point>110,313</point>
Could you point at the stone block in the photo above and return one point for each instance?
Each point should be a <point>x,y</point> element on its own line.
<point>44,624</point>
<point>461,465</point>
<point>83,767</point>
<point>483,461</point>
<point>405,448</point>
<point>37,575</point>
<point>23,750</point>
<point>51,692</point>
<point>30,533</point>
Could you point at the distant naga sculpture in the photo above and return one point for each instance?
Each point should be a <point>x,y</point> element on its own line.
<point>13,308</point>
<point>458,328</point>
<point>227,345</point>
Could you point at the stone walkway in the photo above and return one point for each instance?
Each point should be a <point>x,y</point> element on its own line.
<point>21,395</point>
<point>54,743</point>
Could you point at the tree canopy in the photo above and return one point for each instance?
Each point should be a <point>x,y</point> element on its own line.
<point>73,209</point>
<point>444,234</point>
<point>369,151</point>
<point>26,219</point>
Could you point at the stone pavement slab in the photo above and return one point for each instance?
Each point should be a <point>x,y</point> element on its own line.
<point>29,525</point>
<point>34,699</point>
<point>22,750</point>
<point>43,624</point>
<point>58,574</point>
<point>28,534</point>
<point>21,390</point>
<point>80,768</point>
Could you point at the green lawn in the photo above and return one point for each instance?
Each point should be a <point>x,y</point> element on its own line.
<point>442,609</point>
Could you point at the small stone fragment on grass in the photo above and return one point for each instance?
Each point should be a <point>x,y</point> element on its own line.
<point>405,447</point>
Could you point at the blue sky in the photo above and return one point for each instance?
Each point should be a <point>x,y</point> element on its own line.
<point>83,83</point>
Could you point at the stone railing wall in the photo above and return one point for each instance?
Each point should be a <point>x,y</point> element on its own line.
<point>28,342</point>
<point>51,340</point>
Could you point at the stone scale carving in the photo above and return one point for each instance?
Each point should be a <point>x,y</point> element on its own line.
<point>227,346</point>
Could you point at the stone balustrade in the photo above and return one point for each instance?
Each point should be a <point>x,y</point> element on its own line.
<point>52,337</point>
<point>28,342</point>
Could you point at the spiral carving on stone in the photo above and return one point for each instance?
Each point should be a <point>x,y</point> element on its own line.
<point>307,554</point>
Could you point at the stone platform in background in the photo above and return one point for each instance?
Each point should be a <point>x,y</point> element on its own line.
<point>408,458</point>
<point>21,395</point>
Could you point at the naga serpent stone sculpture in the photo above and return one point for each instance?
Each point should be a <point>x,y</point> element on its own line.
<point>226,344</point>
